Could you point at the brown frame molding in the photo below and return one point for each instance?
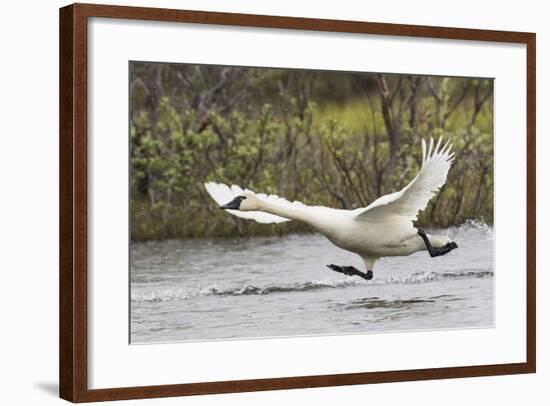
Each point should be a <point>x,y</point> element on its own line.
<point>73,362</point>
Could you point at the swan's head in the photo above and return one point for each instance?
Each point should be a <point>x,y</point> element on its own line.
<point>245,202</point>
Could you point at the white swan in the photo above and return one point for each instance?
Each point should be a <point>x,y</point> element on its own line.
<point>384,228</point>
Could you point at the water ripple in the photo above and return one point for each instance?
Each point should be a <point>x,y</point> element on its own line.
<point>167,295</point>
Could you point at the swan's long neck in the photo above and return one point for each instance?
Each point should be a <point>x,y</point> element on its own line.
<point>297,213</point>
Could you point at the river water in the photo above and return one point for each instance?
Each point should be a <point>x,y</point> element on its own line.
<point>206,289</point>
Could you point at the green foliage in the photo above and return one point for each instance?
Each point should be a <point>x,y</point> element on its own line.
<point>318,137</point>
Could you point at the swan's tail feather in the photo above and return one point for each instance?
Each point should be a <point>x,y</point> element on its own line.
<point>223,194</point>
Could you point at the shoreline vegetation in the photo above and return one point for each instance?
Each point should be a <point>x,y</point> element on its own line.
<point>338,139</point>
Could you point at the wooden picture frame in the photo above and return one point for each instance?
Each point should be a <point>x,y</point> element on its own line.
<point>73,197</point>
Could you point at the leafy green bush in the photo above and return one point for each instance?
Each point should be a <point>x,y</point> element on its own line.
<point>287,132</point>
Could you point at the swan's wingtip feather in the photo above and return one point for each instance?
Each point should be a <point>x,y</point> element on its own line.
<point>423,151</point>
<point>430,148</point>
<point>437,152</point>
<point>210,186</point>
<point>444,149</point>
<point>222,193</point>
<point>438,145</point>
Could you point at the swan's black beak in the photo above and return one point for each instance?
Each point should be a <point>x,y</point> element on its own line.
<point>233,204</point>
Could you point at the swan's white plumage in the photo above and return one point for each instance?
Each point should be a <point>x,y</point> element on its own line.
<point>403,205</point>
<point>384,228</point>
<point>414,197</point>
<point>222,194</point>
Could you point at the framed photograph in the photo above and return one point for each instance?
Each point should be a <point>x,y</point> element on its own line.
<point>256,202</point>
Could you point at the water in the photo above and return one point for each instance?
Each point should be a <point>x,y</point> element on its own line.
<point>280,286</point>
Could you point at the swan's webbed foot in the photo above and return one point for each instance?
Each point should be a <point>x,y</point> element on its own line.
<point>351,271</point>
<point>436,251</point>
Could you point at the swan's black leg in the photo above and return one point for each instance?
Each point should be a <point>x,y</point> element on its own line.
<point>351,271</point>
<point>436,251</point>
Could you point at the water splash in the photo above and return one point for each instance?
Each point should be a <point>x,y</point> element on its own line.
<point>461,232</point>
<point>423,277</point>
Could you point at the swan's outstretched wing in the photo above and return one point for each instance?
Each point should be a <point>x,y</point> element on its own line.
<point>405,204</point>
<point>222,194</point>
